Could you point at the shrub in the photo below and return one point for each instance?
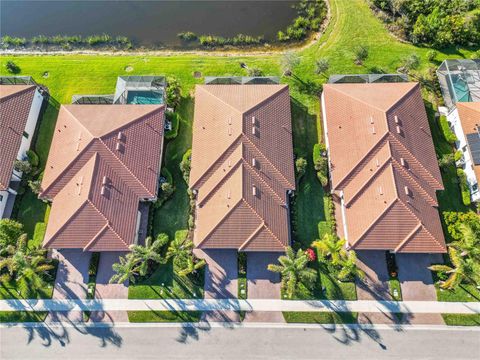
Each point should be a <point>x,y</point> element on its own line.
<point>361,54</point>
<point>35,186</point>
<point>13,41</point>
<point>454,220</point>
<point>173,92</point>
<point>22,166</point>
<point>462,179</point>
<point>187,36</point>
<point>432,55</point>
<point>411,62</point>
<point>10,231</point>
<point>446,160</point>
<point>253,72</point>
<point>301,167</point>
<point>12,68</point>
<point>321,66</point>
<point>33,158</point>
<point>458,155</point>
<point>447,132</point>
<point>185,165</point>
<point>174,120</point>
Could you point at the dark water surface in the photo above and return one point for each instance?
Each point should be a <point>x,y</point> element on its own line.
<point>145,22</point>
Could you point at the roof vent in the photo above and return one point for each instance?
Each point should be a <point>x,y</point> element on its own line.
<point>228,194</point>
<point>254,130</point>
<point>254,190</point>
<point>254,120</point>
<point>254,162</point>
<point>120,147</point>
<point>377,162</point>
<point>120,136</point>
<point>403,162</point>
<point>230,120</point>
<point>103,191</point>
<point>105,180</point>
<point>380,190</point>
<point>373,130</point>
<point>396,120</point>
<point>399,130</point>
<point>371,119</point>
<point>229,131</point>
<point>407,190</point>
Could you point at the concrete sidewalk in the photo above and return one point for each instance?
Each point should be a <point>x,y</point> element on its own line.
<point>421,307</point>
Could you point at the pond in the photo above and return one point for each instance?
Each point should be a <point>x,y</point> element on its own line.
<point>146,23</point>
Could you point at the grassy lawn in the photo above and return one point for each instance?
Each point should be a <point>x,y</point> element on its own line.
<point>164,316</point>
<point>461,319</point>
<point>320,317</point>
<point>22,316</point>
<point>394,284</point>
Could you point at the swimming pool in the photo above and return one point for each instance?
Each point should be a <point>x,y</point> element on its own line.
<point>462,92</point>
<point>144,97</point>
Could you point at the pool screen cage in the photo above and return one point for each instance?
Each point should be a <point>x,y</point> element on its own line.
<point>17,80</point>
<point>241,80</point>
<point>138,83</point>
<point>459,81</point>
<point>367,78</point>
<point>92,99</point>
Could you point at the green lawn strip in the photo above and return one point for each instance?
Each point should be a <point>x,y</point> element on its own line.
<point>461,319</point>
<point>394,284</point>
<point>22,316</point>
<point>31,211</point>
<point>320,317</point>
<point>333,289</point>
<point>164,316</point>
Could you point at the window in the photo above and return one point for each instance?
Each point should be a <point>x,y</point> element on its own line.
<point>25,135</point>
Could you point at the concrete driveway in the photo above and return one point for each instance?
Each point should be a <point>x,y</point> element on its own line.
<point>105,290</point>
<point>262,284</point>
<point>375,285</point>
<point>71,280</point>
<point>417,283</point>
<point>220,280</point>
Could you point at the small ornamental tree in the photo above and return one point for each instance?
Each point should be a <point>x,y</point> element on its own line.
<point>361,54</point>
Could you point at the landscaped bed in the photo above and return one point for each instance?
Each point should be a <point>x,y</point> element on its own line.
<point>320,317</point>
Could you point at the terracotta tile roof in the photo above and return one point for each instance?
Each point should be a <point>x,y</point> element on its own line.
<point>469,114</point>
<point>242,143</point>
<point>104,159</point>
<point>383,162</point>
<point>15,104</point>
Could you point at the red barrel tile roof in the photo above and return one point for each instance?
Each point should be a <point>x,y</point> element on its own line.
<point>242,143</point>
<point>103,160</point>
<point>383,163</point>
<point>15,104</point>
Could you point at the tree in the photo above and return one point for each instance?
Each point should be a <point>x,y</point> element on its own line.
<point>446,160</point>
<point>349,269</point>
<point>290,60</point>
<point>469,242</point>
<point>464,269</point>
<point>147,254</point>
<point>125,269</point>
<point>167,189</point>
<point>35,186</point>
<point>26,266</point>
<point>301,167</point>
<point>12,68</point>
<point>293,269</point>
<point>321,66</point>
<point>411,62</point>
<point>361,54</point>
<point>331,246</point>
<point>173,92</point>
<point>192,265</point>
<point>180,247</point>
<point>253,72</point>
<point>22,166</point>
<point>432,55</point>
<point>10,231</point>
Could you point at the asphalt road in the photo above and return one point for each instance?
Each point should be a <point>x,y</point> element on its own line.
<point>247,343</point>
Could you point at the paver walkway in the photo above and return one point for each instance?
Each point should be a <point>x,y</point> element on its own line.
<point>71,281</point>
<point>262,284</point>
<point>105,290</point>
<point>417,284</point>
<point>221,276</point>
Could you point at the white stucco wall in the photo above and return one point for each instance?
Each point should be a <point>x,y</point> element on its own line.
<point>461,145</point>
<point>3,202</point>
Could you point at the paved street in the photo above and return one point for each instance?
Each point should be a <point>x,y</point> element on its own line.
<point>219,342</point>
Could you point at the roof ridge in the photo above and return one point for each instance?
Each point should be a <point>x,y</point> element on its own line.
<point>412,179</point>
<point>252,235</point>
<point>267,160</point>
<point>126,168</point>
<point>423,225</point>
<point>408,237</point>
<point>374,222</point>
<point>263,220</point>
<point>368,181</point>
<point>234,142</point>
<point>219,223</point>
<point>94,239</point>
<point>108,221</point>
<point>219,183</point>
<point>396,141</point>
<point>21,92</point>
<point>367,154</point>
<point>245,163</point>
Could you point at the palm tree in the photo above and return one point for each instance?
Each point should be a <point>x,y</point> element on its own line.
<point>463,269</point>
<point>192,265</point>
<point>27,267</point>
<point>126,269</point>
<point>349,269</point>
<point>145,254</point>
<point>179,247</point>
<point>469,243</point>
<point>294,270</point>
<point>330,245</point>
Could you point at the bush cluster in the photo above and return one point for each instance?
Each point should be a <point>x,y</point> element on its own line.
<point>320,162</point>
<point>310,17</point>
<point>447,132</point>
<point>212,41</point>
<point>437,23</point>
<point>68,41</point>
<point>464,188</point>
<point>175,121</point>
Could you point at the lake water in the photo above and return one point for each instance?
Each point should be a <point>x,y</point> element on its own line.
<point>145,22</point>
